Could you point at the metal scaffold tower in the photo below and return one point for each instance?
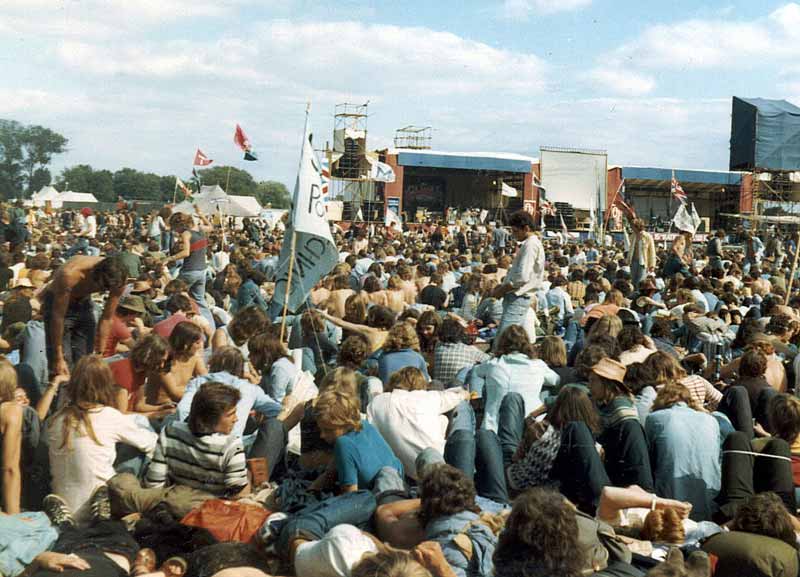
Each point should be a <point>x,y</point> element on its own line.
<point>413,137</point>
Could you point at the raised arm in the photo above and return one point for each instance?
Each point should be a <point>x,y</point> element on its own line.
<point>348,326</point>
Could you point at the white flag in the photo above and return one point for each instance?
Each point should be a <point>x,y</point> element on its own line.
<point>685,220</point>
<point>392,218</point>
<point>315,253</point>
<point>564,227</point>
<point>507,190</point>
<point>381,172</point>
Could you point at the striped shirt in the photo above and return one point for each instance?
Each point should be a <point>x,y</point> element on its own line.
<point>703,393</point>
<point>212,463</point>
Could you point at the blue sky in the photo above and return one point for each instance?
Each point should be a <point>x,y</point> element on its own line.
<point>144,83</point>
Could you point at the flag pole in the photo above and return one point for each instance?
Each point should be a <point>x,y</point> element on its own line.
<point>794,269</point>
<point>294,236</point>
<point>669,210</point>
<point>175,192</point>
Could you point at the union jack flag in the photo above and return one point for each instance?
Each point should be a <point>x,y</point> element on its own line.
<point>677,191</point>
<point>325,173</point>
<point>548,208</point>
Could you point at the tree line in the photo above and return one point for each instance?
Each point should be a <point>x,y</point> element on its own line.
<point>26,153</point>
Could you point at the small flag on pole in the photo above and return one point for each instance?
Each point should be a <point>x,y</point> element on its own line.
<point>241,140</point>
<point>507,190</point>
<point>200,159</point>
<point>677,191</point>
<point>187,192</point>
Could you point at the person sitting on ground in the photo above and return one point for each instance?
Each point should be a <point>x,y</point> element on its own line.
<point>269,357</point>
<point>126,326</point>
<point>186,362</point>
<point>83,436</point>
<point>360,452</point>
<point>401,349</point>
<point>452,353</point>
<point>194,461</point>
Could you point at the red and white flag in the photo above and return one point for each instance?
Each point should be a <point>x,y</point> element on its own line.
<point>201,159</point>
<point>677,191</point>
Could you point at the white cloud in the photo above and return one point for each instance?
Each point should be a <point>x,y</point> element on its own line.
<point>620,81</point>
<point>718,43</point>
<point>319,56</point>
<point>515,9</point>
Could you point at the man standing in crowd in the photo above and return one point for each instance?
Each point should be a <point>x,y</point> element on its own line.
<point>642,258</point>
<point>69,313</point>
<point>526,273</point>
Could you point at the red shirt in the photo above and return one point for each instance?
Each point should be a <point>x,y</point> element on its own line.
<point>126,378</point>
<point>119,332</point>
<point>165,327</point>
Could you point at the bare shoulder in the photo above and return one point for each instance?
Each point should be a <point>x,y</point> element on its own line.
<point>10,414</point>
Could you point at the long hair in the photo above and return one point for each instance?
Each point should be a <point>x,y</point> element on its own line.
<point>514,339</point>
<point>90,385</point>
<point>445,490</point>
<point>573,404</point>
<point>389,563</point>
<point>401,336</point>
<point>540,538</point>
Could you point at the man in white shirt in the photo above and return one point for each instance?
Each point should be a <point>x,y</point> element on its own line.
<point>526,273</point>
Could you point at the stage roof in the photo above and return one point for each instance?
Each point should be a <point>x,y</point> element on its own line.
<point>690,179</point>
<point>495,161</point>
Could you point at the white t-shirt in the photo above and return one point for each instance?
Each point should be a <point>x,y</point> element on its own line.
<point>91,226</point>
<point>411,421</point>
<point>82,465</point>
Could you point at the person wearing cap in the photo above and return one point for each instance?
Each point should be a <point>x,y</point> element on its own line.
<point>622,436</point>
<point>126,324</point>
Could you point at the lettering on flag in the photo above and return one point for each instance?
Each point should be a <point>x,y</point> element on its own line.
<point>315,253</point>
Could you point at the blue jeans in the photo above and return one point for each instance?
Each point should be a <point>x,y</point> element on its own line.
<point>196,279</point>
<point>459,448</point>
<point>638,273</point>
<point>313,522</point>
<point>515,309</point>
<point>495,450</point>
<point>79,328</point>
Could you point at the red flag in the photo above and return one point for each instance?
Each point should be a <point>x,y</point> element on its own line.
<point>241,140</point>
<point>201,159</point>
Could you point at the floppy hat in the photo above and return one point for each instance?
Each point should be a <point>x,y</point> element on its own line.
<point>132,303</point>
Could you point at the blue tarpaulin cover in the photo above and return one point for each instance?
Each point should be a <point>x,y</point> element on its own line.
<point>765,134</point>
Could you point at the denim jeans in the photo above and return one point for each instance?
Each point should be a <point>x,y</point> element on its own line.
<point>270,443</point>
<point>196,279</point>
<point>578,467</point>
<point>515,309</point>
<point>494,451</point>
<point>316,520</point>
<point>34,353</point>
<point>571,334</point>
<point>638,273</point>
<point>459,448</point>
<point>79,328</point>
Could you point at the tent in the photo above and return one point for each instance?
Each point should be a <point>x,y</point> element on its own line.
<point>77,197</point>
<point>212,199</point>
<point>46,194</point>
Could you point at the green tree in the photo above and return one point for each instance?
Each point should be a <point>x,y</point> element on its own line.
<point>232,180</point>
<point>11,177</point>
<point>39,144</point>
<point>133,184</point>
<point>274,194</point>
<point>101,185</point>
<point>78,178</point>
<point>41,177</point>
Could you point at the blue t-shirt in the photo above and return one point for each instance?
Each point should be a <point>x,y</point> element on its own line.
<point>361,454</point>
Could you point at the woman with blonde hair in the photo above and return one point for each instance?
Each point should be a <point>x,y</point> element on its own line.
<point>553,352</point>
<point>83,435</point>
<point>401,349</point>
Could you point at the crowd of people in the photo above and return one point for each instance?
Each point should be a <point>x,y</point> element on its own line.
<point>451,400</point>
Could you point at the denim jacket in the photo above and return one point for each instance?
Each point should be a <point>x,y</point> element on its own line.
<point>443,530</point>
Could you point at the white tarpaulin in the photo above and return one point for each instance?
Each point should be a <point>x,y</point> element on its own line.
<point>71,196</point>
<point>46,194</point>
<point>212,200</point>
<point>575,177</point>
<point>686,220</point>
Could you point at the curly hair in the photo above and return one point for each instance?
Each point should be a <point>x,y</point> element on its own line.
<point>354,351</point>
<point>246,323</point>
<point>779,325</point>
<point>147,355</point>
<point>765,514</point>
<point>784,417</point>
<point>401,336</point>
<point>110,273</point>
<point>445,490</point>
<point>664,526</point>
<point>540,538</point>
<point>521,219</point>
<point>514,339</point>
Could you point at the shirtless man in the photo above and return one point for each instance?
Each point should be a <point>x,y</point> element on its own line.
<point>339,295</point>
<point>408,286</point>
<point>395,297</point>
<point>68,310</point>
